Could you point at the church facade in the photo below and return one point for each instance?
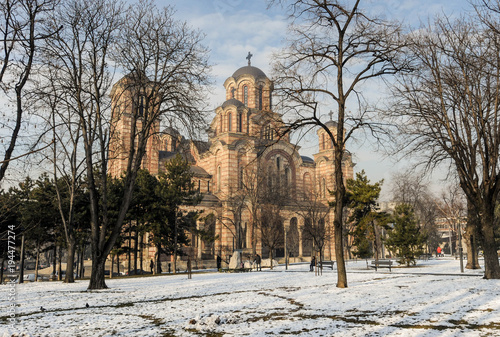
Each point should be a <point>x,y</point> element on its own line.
<point>245,148</point>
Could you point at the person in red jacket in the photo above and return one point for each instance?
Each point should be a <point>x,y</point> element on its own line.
<point>438,251</point>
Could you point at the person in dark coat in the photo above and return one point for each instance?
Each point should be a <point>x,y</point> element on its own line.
<point>258,262</point>
<point>152,266</point>
<point>219,262</point>
<point>189,267</point>
<point>313,263</point>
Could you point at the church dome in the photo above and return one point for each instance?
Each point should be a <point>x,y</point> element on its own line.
<point>249,70</point>
<point>232,101</point>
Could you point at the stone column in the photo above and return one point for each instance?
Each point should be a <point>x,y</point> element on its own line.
<point>286,227</point>
<point>300,228</point>
<point>199,226</point>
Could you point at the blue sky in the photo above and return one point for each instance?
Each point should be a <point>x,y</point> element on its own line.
<point>235,27</point>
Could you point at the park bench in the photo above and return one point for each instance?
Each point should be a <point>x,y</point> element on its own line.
<point>381,264</point>
<point>425,256</point>
<point>236,270</point>
<point>328,264</point>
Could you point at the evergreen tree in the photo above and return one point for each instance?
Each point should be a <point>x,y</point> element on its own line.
<point>366,220</point>
<point>175,188</point>
<point>406,238</point>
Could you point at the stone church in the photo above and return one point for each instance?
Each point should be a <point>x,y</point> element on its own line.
<point>244,143</point>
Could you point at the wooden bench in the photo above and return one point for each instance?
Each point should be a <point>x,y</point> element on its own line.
<point>381,264</point>
<point>425,257</point>
<point>328,264</point>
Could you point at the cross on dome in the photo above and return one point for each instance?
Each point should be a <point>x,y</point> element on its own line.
<point>249,56</point>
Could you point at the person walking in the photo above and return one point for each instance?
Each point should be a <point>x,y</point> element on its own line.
<point>152,266</point>
<point>439,251</point>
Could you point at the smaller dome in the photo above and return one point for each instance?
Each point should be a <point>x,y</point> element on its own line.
<point>306,159</point>
<point>331,123</point>
<point>232,101</point>
<point>249,70</point>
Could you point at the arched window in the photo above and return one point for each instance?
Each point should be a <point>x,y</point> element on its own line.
<point>278,163</point>
<point>229,122</point>
<point>260,98</point>
<point>140,106</point>
<point>287,176</point>
<point>323,187</point>
<point>245,95</point>
<point>307,183</point>
<point>218,178</point>
<point>240,179</point>
<point>240,122</point>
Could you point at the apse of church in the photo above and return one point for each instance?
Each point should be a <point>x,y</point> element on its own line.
<point>242,142</point>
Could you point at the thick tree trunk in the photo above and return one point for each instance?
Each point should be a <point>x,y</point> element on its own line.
<point>470,243</point>
<point>339,252</point>
<point>158,259</point>
<point>338,221</point>
<point>97,277</point>
<point>487,235</point>
<point>82,263</point>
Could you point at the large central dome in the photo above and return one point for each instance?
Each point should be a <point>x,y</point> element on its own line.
<point>249,70</point>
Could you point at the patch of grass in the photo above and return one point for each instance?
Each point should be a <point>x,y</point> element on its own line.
<point>156,321</point>
<point>206,334</point>
<point>124,305</point>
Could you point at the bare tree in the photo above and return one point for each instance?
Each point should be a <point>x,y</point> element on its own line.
<point>253,183</point>
<point>273,201</point>
<point>232,219</point>
<point>21,32</point>
<point>166,68</point>
<point>448,111</point>
<point>63,134</point>
<point>334,49</point>
<point>412,189</point>
<point>453,208</point>
<point>316,227</point>
<point>74,88</point>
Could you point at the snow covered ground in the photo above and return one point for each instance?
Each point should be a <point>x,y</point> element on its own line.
<point>432,299</point>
